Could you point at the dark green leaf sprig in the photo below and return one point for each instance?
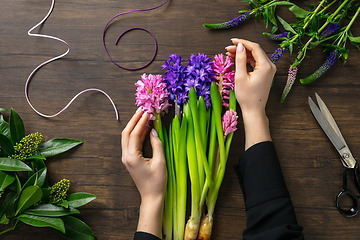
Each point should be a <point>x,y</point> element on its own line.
<point>31,200</point>
<point>316,26</point>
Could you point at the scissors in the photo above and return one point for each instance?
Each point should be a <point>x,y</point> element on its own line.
<point>329,126</point>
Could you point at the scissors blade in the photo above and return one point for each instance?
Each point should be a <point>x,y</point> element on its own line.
<point>339,143</point>
<point>325,125</point>
<point>325,111</point>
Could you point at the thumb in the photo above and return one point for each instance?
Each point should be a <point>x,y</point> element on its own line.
<point>240,62</point>
<point>157,146</point>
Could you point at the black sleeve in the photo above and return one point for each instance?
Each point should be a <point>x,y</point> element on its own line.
<point>269,212</point>
<point>145,236</point>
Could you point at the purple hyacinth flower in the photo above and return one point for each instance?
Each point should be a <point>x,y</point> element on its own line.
<point>232,23</point>
<point>277,54</point>
<point>333,28</point>
<point>331,59</point>
<point>199,74</point>
<point>174,77</point>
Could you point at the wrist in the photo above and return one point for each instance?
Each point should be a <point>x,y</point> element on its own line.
<point>150,218</point>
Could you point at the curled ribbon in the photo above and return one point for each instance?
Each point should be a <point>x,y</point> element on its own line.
<point>53,59</point>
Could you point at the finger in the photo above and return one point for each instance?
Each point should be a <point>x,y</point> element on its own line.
<point>129,127</point>
<point>231,49</point>
<point>144,133</point>
<point>136,140</point>
<point>158,151</point>
<point>240,62</point>
<point>256,51</point>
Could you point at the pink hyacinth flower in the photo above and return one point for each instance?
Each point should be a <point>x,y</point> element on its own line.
<point>229,122</point>
<point>221,65</point>
<point>224,77</point>
<point>152,95</point>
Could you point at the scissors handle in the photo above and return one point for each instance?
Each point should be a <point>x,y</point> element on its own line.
<point>345,192</point>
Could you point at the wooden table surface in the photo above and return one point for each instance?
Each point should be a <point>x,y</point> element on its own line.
<point>310,164</point>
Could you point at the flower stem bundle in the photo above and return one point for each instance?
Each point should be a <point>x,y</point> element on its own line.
<point>198,139</point>
<point>319,25</point>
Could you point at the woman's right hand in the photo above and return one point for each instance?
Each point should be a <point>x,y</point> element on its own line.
<point>252,88</point>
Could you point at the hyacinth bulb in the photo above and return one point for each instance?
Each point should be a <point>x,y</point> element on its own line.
<point>152,95</point>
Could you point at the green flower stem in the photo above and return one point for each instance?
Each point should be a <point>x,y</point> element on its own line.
<point>169,194</point>
<point>214,190</point>
<point>302,53</point>
<point>193,166</point>
<point>181,175</point>
<point>344,35</point>
<point>198,138</point>
<point>308,21</point>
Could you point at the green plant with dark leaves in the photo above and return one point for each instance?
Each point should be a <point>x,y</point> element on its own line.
<point>31,200</point>
<point>319,25</point>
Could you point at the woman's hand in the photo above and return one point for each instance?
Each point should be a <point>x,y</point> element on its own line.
<point>149,174</point>
<point>252,88</point>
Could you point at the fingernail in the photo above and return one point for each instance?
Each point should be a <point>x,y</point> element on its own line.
<point>229,46</point>
<point>234,39</point>
<point>138,110</point>
<point>154,133</point>
<point>227,53</point>
<point>240,47</point>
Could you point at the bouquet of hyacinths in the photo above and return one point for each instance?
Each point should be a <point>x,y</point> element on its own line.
<point>319,26</point>
<point>198,139</point>
<point>31,199</point>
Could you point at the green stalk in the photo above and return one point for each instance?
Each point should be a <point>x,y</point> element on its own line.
<point>345,32</point>
<point>302,53</point>
<point>181,175</point>
<point>198,139</point>
<point>192,225</point>
<point>214,190</point>
<point>172,147</point>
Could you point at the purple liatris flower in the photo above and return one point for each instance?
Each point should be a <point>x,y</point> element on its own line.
<point>331,59</point>
<point>278,37</point>
<point>152,95</point>
<point>223,76</point>
<point>290,81</point>
<point>229,122</point>
<point>277,54</point>
<point>232,23</point>
<point>333,28</point>
<point>175,78</point>
<point>199,75</point>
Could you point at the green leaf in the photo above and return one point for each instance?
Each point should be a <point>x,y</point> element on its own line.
<point>314,24</point>
<point>299,12</point>
<point>38,221</point>
<point>64,204</point>
<point>6,145</point>
<point>4,220</point>
<point>79,199</point>
<point>50,210</point>
<point>6,178</point>
<point>56,146</point>
<point>46,195</point>
<point>28,197</point>
<point>7,164</point>
<point>354,39</point>
<point>76,229</point>
<point>3,110</point>
<point>8,202</point>
<point>37,179</point>
<point>33,157</point>
<point>286,25</point>
<point>5,127</point>
<point>17,128</point>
